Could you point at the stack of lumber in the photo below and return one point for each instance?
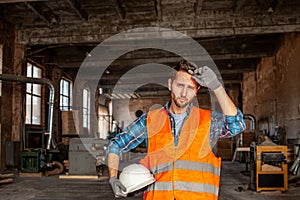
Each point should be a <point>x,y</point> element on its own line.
<point>6,178</point>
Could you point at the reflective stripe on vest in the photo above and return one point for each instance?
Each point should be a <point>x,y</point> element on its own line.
<point>184,186</point>
<point>196,187</point>
<point>198,166</point>
<point>189,165</point>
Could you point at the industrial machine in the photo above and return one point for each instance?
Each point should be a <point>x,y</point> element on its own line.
<point>295,167</point>
<point>269,170</point>
<point>87,156</point>
<point>37,153</point>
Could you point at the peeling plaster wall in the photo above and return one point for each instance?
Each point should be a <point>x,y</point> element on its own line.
<point>288,84</point>
<point>272,93</point>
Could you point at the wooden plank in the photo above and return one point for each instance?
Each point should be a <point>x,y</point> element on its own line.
<point>8,180</point>
<point>239,149</point>
<point>6,176</point>
<point>31,174</point>
<point>78,177</point>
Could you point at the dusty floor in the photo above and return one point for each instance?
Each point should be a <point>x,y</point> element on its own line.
<point>42,188</point>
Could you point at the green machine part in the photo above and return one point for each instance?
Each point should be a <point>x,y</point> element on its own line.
<point>30,161</point>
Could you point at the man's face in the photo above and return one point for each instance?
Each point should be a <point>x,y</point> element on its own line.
<point>183,89</point>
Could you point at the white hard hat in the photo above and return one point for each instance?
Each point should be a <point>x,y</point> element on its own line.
<point>135,177</point>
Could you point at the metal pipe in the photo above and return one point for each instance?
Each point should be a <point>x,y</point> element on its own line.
<point>252,119</point>
<point>58,170</point>
<point>44,81</point>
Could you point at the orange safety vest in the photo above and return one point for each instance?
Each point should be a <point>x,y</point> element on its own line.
<point>189,171</point>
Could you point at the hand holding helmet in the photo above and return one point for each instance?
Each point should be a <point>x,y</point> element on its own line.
<point>118,188</point>
<point>135,177</point>
<point>205,77</point>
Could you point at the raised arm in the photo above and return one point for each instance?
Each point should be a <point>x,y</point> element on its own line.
<point>225,102</point>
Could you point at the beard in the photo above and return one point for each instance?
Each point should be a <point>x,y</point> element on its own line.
<point>180,104</point>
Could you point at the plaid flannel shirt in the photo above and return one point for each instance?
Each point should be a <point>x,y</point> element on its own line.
<point>222,126</point>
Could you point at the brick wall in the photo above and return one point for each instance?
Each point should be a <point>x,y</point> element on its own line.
<point>272,93</point>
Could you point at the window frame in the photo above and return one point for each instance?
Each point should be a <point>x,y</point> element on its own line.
<point>86,108</point>
<point>31,94</point>
<point>68,96</point>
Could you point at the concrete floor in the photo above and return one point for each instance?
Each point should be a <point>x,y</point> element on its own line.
<point>47,188</point>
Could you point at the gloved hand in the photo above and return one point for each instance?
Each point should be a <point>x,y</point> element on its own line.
<point>117,187</point>
<point>205,77</point>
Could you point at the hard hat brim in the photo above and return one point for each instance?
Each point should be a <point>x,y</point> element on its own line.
<point>139,186</point>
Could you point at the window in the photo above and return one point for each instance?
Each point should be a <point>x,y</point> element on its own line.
<point>65,94</point>
<point>86,109</point>
<point>33,96</point>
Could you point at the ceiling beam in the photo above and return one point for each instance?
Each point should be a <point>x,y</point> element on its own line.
<point>119,8</point>
<point>40,15</point>
<point>198,5</point>
<point>134,61</point>
<point>132,87</point>
<point>45,36</point>
<point>75,7</point>
<point>18,1</point>
<point>158,9</point>
<point>239,4</point>
<point>237,71</point>
<point>138,77</point>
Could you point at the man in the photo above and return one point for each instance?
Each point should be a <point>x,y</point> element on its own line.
<point>179,139</point>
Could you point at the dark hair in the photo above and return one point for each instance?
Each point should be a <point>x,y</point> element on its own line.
<point>183,65</point>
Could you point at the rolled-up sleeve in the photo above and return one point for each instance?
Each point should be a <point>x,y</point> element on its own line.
<point>233,125</point>
<point>131,137</point>
<point>225,126</point>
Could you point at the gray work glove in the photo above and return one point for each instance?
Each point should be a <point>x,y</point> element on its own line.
<point>205,77</point>
<point>117,187</point>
